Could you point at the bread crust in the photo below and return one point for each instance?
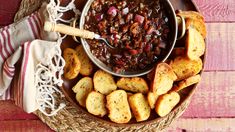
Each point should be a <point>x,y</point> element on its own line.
<point>152,99</point>
<point>187,82</point>
<point>185,68</point>
<point>195,44</point>
<point>86,64</point>
<point>134,84</point>
<point>83,87</point>
<point>199,25</point>
<point>95,104</point>
<point>192,15</point>
<point>72,64</point>
<point>139,106</point>
<point>163,79</point>
<point>104,82</point>
<point>166,103</point>
<point>118,107</point>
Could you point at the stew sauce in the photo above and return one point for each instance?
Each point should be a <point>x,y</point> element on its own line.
<point>138,29</point>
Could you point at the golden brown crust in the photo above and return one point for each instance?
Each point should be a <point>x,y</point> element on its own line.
<point>195,44</point>
<point>104,82</point>
<point>185,68</point>
<point>134,84</point>
<point>163,79</point>
<point>199,25</point>
<point>139,107</point>
<point>86,64</point>
<point>95,104</point>
<point>72,64</point>
<point>152,98</point>
<point>187,82</point>
<point>83,87</point>
<point>166,103</point>
<point>118,106</point>
<point>191,14</point>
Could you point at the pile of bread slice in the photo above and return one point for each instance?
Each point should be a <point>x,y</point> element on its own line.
<point>139,97</point>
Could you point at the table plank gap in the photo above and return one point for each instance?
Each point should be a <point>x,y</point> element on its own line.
<point>220,47</point>
<point>214,96</point>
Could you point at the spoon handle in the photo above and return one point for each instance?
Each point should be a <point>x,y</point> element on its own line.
<point>64,29</point>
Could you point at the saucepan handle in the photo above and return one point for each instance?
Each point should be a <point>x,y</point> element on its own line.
<point>64,29</point>
<point>181,27</point>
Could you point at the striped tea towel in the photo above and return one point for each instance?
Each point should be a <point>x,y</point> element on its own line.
<point>36,54</point>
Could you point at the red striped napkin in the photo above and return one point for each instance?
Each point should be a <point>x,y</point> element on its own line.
<point>20,43</point>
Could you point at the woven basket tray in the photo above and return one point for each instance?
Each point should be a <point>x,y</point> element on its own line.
<point>71,118</point>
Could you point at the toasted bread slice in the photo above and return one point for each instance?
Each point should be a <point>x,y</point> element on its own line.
<point>152,98</point>
<point>192,15</point>
<point>118,106</point>
<point>163,79</point>
<point>199,25</point>
<point>104,82</point>
<point>86,64</point>
<point>72,64</point>
<point>187,82</point>
<point>139,106</point>
<point>166,103</point>
<point>185,68</point>
<point>95,104</point>
<point>134,84</point>
<point>195,44</point>
<point>83,87</point>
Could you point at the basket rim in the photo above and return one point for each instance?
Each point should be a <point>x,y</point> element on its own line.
<point>147,122</point>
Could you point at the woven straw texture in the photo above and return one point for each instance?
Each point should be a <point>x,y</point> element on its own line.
<point>73,119</point>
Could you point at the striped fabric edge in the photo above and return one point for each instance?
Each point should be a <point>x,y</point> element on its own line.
<point>7,47</point>
<point>4,28</point>
<point>6,44</point>
<point>2,50</point>
<point>37,19</point>
<point>32,24</point>
<point>20,91</point>
<point>9,70</point>
<point>9,41</point>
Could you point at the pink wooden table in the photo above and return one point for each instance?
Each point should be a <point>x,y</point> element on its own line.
<point>213,105</point>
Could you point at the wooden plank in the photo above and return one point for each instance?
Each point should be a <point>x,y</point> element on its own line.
<point>202,125</point>
<point>24,126</point>
<point>217,10</point>
<point>9,111</point>
<point>214,96</point>
<point>220,47</point>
